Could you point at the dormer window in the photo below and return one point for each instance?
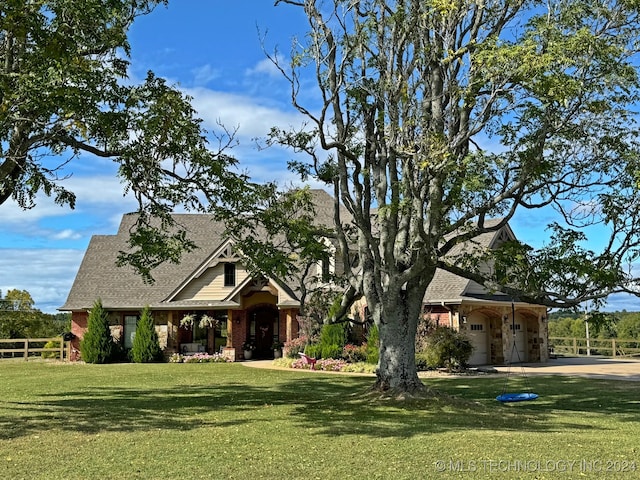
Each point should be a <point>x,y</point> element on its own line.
<point>229,274</point>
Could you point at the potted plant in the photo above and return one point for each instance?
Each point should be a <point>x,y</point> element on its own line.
<point>248,347</point>
<point>187,321</point>
<point>277,349</point>
<point>208,322</point>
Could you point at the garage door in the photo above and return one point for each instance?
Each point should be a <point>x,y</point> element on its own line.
<point>479,338</point>
<point>519,353</point>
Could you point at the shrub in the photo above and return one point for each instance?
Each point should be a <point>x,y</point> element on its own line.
<point>449,349</point>
<point>425,327</point>
<point>333,338</point>
<point>422,361</point>
<point>313,350</point>
<point>51,344</point>
<point>331,351</point>
<point>354,353</point>
<point>294,346</point>
<point>334,334</point>
<point>146,346</point>
<point>373,345</point>
<point>97,344</point>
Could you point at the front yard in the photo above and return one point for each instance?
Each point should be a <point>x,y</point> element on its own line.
<point>215,420</point>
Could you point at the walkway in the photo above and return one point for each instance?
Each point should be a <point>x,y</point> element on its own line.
<point>591,367</point>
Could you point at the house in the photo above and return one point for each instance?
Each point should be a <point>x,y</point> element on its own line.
<point>209,280</point>
<point>501,329</point>
<point>212,280</point>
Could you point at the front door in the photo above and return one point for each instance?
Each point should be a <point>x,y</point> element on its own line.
<point>265,321</point>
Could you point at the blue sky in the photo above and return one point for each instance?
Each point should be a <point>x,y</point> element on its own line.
<point>212,50</point>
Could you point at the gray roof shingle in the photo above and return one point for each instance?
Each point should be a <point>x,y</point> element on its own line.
<point>122,288</point>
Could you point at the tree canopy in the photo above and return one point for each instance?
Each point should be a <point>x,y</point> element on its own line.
<point>436,117</point>
<point>64,94</point>
<point>19,318</point>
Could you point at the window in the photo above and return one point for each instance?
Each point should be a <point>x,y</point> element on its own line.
<point>220,334</point>
<point>130,325</point>
<point>229,274</point>
<point>477,327</point>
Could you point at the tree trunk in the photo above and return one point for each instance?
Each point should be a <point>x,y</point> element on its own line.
<point>397,324</point>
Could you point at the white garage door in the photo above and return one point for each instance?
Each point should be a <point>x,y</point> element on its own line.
<point>519,353</point>
<point>478,335</point>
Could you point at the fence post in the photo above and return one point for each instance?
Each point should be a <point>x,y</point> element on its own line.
<point>61,349</point>
<point>575,346</point>
<point>613,347</point>
<point>26,349</point>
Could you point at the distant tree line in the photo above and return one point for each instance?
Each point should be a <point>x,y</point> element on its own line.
<point>623,325</point>
<point>19,318</point>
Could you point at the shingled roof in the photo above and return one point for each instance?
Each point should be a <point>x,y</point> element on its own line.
<point>447,287</point>
<point>122,288</point>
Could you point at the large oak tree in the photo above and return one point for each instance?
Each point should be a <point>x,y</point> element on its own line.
<point>435,116</point>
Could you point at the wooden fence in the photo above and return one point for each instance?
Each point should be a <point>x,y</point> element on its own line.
<point>608,347</point>
<point>34,347</point>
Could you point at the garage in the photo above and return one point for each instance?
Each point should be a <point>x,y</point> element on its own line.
<point>519,353</point>
<point>478,334</point>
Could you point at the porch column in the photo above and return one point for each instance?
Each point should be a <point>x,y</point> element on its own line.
<point>543,335</point>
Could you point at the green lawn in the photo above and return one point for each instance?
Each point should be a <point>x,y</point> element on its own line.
<point>189,421</point>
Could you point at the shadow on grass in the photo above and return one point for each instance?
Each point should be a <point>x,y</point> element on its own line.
<point>320,404</point>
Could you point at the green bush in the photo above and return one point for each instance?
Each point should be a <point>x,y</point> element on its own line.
<point>331,351</point>
<point>354,353</point>
<point>314,350</point>
<point>146,347</point>
<point>294,346</point>
<point>333,337</point>
<point>51,344</point>
<point>422,361</point>
<point>97,344</point>
<point>334,334</point>
<point>373,345</point>
<point>447,348</point>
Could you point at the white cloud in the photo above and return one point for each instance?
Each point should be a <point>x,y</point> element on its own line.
<point>45,273</point>
<point>252,118</point>
<point>265,67</point>
<point>67,234</point>
<point>204,74</point>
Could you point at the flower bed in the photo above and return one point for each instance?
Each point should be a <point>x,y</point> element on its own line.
<point>326,364</point>
<point>199,358</point>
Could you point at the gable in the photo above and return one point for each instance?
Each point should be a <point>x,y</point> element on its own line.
<point>450,288</point>
<point>210,283</point>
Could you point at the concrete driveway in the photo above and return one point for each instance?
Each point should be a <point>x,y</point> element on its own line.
<point>592,367</point>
